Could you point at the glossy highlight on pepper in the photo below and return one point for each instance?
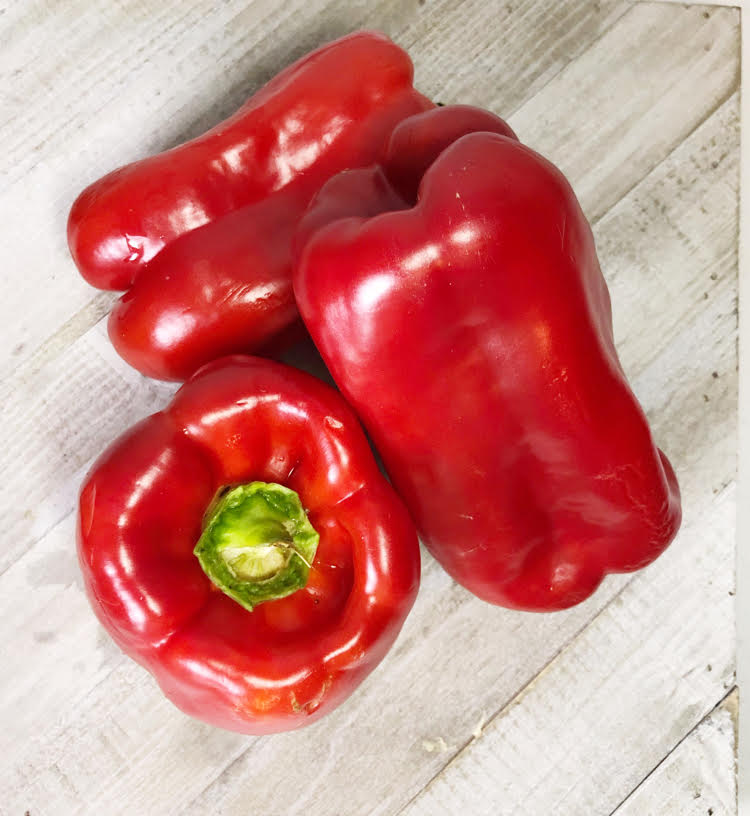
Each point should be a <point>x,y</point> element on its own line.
<point>472,333</point>
<point>266,473</point>
<point>200,235</point>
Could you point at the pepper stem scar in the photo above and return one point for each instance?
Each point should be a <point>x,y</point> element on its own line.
<point>251,534</point>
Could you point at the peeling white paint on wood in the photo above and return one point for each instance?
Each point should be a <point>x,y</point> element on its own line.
<point>643,117</point>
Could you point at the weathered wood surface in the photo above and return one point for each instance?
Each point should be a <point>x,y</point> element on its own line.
<point>582,710</point>
<point>698,777</point>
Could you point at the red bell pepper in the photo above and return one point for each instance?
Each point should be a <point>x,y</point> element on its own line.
<point>419,139</point>
<point>223,288</point>
<point>199,287</point>
<point>414,144</point>
<point>472,332</point>
<point>244,547</point>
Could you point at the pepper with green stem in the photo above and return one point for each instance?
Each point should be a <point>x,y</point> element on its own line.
<point>243,546</point>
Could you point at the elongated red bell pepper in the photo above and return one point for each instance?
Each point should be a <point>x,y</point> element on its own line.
<point>200,288</point>
<point>472,333</point>
<point>244,547</point>
<point>223,288</point>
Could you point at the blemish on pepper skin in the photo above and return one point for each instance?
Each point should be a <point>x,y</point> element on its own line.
<point>311,706</point>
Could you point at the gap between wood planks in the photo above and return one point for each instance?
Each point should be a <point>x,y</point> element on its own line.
<point>515,699</point>
<point>729,702</point>
<point>699,778</point>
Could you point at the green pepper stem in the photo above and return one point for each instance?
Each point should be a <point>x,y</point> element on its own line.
<point>257,543</point>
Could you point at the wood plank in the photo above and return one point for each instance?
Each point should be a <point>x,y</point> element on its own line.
<point>55,423</point>
<point>742,565</point>
<point>634,64</point>
<point>736,4</point>
<point>698,777</point>
<point>92,87</point>
<point>459,60</point>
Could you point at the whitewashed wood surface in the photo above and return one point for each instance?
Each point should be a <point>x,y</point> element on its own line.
<point>623,705</point>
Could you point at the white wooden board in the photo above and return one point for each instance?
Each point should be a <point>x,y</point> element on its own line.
<point>698,777</point>
<point>609,707</point>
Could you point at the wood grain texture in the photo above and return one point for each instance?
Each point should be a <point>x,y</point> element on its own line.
<point>698,777</point>
<point>87,730</point>
<point>646,67</point>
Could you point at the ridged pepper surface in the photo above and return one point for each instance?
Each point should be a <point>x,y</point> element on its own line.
<point>244,547</point>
